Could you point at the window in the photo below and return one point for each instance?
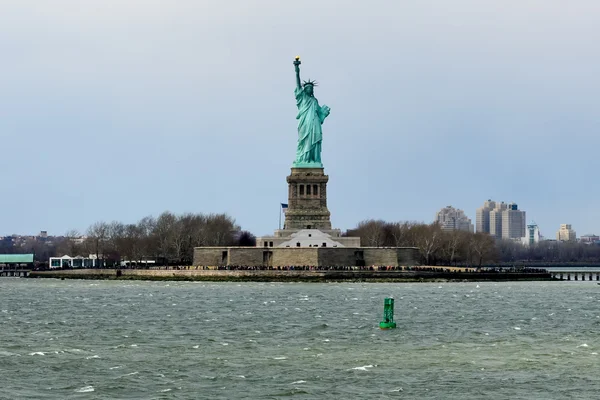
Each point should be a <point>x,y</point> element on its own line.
<point>308,190</point>
<point>270,244</point>
<point>324,244</point>
<point>55,263</point>
<point>301,190</point>
<point>266,244</point>
<point>316,190</point>
<point>298,244</point>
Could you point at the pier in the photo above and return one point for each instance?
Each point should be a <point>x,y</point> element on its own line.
<point>17,272</point>
<point>575,275</point>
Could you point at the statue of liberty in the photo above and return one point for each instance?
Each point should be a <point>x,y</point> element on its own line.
<point>310,118</point>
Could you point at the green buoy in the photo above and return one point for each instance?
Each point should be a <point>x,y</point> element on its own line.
<point>388,315</point>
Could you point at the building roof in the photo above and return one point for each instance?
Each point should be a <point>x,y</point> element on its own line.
<point>16,258</point>
<point>310,238</point>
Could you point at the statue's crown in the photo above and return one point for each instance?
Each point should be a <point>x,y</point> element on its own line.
<point>309,82</point>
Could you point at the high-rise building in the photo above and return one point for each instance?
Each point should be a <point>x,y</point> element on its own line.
<point>566,234</point>
<point>501,220</point>
<point>533,234</point>
<point>496,219</point>
<point>451,219</point>
<point>513,222</point>
<point>482,216</point>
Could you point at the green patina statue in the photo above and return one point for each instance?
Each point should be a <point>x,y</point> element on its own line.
<point>310,118</point>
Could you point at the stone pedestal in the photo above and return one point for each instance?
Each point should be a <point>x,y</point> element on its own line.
<point>307,200</point>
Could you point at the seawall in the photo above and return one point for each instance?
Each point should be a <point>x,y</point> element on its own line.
<point>283,276</point>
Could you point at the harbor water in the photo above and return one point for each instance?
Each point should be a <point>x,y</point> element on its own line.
<point>80,339</point>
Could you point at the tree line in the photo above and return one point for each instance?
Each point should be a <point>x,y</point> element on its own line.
<point>439,247</point>
<point>168,239</point>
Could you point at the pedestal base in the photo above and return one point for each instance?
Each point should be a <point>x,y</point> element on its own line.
<point>307,200</point>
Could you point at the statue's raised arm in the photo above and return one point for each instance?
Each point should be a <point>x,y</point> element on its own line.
<point>297,67</point>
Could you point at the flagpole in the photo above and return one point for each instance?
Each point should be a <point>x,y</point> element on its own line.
<point>280,208</point>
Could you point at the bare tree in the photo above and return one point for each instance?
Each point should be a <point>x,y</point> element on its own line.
<point>482,247</point>
<point>68,244</point>
<point>428,239</point>
<point>165,233</point>
<point>98,236</point>
<point>133,247</point>
<point>117,240</point>
<point>148,241</point>
<point>220,230</point>
<point>401,233</point>
<point>371,232</point>
<point>452,244</point>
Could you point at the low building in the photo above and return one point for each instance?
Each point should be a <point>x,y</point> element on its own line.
<point>589,239</point>
<point>67,261</point>
<point>92,261</point>
<point>16,260</point>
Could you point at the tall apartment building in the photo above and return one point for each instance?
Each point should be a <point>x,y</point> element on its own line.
<point>566,234</point>
<point>501,220</point>
<point>496,219</point>
<point>482,216</point>
<point>513,222</point>
<point>451,219</point>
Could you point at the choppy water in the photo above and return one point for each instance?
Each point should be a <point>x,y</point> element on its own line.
<point>184,340</point>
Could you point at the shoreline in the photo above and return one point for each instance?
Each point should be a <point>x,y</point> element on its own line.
<point>289,276</point>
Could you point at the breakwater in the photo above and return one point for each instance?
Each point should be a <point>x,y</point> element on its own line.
<point>289,275</point>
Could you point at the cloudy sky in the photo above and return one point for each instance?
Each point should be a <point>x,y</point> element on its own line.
<point>118,109</point>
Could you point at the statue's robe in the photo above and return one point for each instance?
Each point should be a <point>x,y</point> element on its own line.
<point>310,135</point>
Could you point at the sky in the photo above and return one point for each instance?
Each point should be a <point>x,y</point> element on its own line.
<point>119,109</point>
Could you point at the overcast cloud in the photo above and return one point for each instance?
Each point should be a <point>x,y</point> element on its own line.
<point>117,109</point>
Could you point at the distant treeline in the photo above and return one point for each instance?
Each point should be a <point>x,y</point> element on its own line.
<point>438,247</point>
<point>169,239</point>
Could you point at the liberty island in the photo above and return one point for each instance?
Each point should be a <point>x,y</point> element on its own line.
<point>307,237</point>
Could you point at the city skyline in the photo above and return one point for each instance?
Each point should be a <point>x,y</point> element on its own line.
<point>119,110</point>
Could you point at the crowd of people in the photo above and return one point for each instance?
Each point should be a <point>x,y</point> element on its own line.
<point>378,268</point>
